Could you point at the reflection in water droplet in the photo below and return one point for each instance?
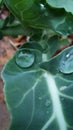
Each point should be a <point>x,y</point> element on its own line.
<point>47,103</point>
<point>67,56</point>
<point>42,6</point>
<point>25,58</point>
<point>66,65</point>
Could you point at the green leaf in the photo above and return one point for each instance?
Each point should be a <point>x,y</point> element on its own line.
<point>53,45</point>
<point>39,97</point>
<point>16,29</point>
<point>38,15</point>
<point>1,23</point>
<point>1,1</point>
<point>24,4</point>
<point>47,46</point>
<point>66,4</point>
<point>63,62</point>
<point>32,13</point>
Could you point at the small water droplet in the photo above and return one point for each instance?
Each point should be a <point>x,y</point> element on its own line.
<point>63,88</point>
<point>47,103</point>
<point>40,98</point>
<point>25,58</point>
<point>70,28</point>
<point>42,6</point>
<point>67,56</point>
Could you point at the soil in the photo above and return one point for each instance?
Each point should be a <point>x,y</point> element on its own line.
<point>6,52</point>
<point>8,46</point>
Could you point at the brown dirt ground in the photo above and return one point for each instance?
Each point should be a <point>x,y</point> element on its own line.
<point>6,51</point>
<point>8,46</point>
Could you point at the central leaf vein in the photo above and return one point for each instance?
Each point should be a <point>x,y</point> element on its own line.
<point>52,88</point>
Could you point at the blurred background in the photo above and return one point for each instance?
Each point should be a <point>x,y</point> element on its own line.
<point>8,46</point>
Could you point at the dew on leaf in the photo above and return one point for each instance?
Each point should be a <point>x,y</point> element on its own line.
<point>47,103</point>
<point>63,88</point>
<point>66,64</point>
<point>42,6</point>
<point>67,56</point>
<point>25,58</point>
<point>70,29</point>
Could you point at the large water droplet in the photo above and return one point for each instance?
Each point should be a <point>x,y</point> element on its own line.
<point>25,58</point>
<point>66,65</point>
<point>47,103</point>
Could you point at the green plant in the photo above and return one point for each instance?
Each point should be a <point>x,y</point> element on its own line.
<point>38,85</point>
